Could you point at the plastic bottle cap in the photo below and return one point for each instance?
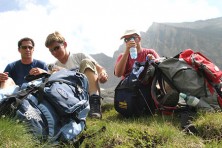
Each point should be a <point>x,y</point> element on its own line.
<point>182,95</point>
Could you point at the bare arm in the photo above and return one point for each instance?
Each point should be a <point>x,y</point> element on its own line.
<point>121,65</point>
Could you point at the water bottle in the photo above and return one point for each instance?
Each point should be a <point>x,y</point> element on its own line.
<point>133,51</point>
<point>190,100</point>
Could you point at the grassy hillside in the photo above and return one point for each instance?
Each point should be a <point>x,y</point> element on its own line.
<point>115,131</point>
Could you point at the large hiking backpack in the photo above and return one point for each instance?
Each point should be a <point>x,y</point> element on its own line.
<point>54,107</point>
<point>133,98</point>
<point>174,76</point>
<point>207,68</point>
<point>202,64</point>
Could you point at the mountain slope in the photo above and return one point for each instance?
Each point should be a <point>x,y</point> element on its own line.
<point>169,39</point>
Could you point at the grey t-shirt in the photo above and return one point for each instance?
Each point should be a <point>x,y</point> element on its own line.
<point>74,60</point>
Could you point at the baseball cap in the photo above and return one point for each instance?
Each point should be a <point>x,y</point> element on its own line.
<point>129,32</point>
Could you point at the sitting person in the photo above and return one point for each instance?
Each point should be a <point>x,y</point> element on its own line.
<point>95,73</point>
<point>15,72</point>
<point>124,64</point>
<point>124,68</point>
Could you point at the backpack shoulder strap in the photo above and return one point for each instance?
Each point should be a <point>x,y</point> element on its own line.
<point>41,89</point>
<point>13,101</point>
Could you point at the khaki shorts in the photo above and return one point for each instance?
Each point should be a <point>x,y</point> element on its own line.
<point>87,63</point>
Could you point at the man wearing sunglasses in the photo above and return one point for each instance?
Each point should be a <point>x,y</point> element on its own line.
<point>95,73</point>
<point>15,72</point>
<point>123,68</point>
<point>124,64</point>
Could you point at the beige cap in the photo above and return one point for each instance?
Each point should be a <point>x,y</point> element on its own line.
<point>129,32</point>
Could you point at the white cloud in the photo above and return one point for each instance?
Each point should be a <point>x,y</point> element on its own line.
<point>91,26</point>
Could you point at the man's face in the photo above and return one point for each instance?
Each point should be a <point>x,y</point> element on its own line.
<point>129,37</point>
<point>57,49</point>
<point>26,49</point>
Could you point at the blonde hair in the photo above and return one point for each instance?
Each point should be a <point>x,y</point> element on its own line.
<point>54,37</point>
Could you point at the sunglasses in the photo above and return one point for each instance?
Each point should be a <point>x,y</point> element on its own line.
<point>25,47</point>
<point>128,39</point>
<point>55,48</point>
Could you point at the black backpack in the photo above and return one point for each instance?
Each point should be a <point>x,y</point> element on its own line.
<point>133,98</point>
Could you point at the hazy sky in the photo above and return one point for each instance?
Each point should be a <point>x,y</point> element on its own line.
<point>90,26</point>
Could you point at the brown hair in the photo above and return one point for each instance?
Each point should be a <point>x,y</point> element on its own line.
<point>25,39</point>
<point>54,37</point>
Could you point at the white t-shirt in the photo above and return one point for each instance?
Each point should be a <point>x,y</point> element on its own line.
<point>74,60</point>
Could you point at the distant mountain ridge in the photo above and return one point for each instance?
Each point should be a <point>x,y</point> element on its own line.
<point>169,39</point>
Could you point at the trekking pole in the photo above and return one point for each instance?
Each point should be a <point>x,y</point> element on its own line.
<point>146,102</point>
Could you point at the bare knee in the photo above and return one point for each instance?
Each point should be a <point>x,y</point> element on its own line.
<point>9,82</point>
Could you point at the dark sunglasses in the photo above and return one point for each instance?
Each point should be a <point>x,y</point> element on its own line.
<point>25,47</point>
<point>128,39</point>
<point>55,48</point>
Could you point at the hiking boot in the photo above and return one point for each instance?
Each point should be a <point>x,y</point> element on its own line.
<point>95,106</point>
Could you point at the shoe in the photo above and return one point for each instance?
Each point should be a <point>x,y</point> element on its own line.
<point>95,106</point>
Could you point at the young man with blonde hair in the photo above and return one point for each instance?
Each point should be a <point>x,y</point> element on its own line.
<point>95,73</point>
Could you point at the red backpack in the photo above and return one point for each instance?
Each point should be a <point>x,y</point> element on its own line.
<point>201,62</point>
<point>206,67</point>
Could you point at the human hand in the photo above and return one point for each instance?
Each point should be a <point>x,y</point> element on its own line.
<point>103,76</point>
<point>3,76</point>
<point>150,57</point>
<point>36,71</point>
<point>129,44</point>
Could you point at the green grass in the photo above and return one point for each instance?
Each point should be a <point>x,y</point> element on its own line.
<point>146,131</point>
<point>13,134</point>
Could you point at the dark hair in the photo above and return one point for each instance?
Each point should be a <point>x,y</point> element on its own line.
<point>25,39</point>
